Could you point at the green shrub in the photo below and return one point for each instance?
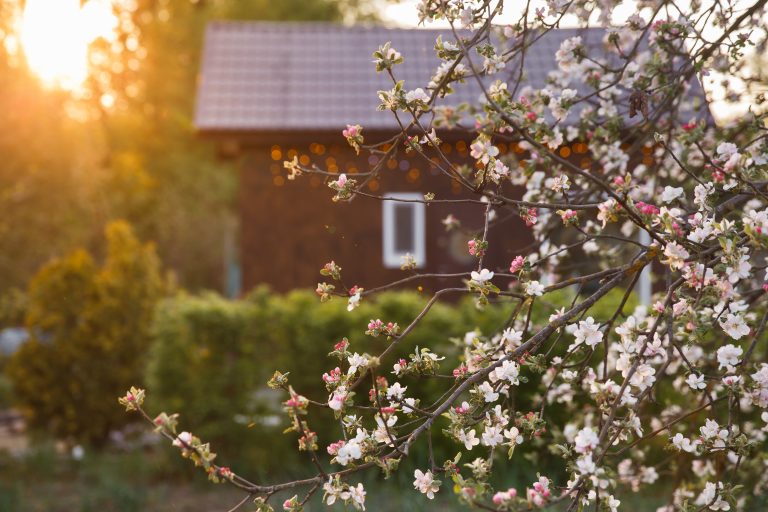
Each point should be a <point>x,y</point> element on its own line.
<point>211,358</point>
<point>89,329</point>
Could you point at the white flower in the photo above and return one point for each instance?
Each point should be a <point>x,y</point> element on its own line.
<point>492,436</point>
<point>471,336</point>
<point>727,149</point>
<point>498,171</point>
<point>710,498</point>
<point>565,54</point>
<point>534,288</point>
<point>728,356</point>
<point>711,430</point>
<point>683,443</point>
<point>586,465</point>
<point>590,247</point>
<point>483,150</point>
<point>676,255</point>
<point>696,381</point>
<point>508,371</point>
<point>481,277</point>
<point>761,376</point>
<point>701,193</point>
<point>353,302</point>
<point>357,494</point>
<point>183,440</point>
<point>511,337</point>
<point>555,140</point>
<point>644,377</point>
<point>356,361</point>
<point>352,449</point>
<point>734,326</point>
<point>332,492</point>
<point>469,438</point>
<point>396,391</point>
<point>586,440</point>
<point>740,270</point>
<point>700,234</point>
<point>588,332</point>
<point>416,95</point>
<point>489,395</point>
<point>671,193</point>
<point>513,434</point>
<point>493,64</point>
<point>426,483</point>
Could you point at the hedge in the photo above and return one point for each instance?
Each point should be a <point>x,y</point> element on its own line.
<point>211,358</point>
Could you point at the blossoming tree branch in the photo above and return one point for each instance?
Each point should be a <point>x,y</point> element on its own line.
<point>677,386</point>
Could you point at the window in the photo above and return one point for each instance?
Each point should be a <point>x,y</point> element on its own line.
<point>403,229</point>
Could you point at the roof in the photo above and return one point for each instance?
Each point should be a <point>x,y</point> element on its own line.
<point>268,76</point>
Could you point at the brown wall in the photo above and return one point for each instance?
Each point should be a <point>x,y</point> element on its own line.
<point>289,229</point>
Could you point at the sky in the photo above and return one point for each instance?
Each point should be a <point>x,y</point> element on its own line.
<point>404,13</point>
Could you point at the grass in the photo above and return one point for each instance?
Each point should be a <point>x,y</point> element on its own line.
<point>149,481</point>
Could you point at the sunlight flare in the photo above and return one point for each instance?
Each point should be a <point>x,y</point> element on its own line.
<point>55,35</point>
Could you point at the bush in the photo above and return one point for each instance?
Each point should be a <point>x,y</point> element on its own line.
<point>89,329</point>
<point>211,359</point>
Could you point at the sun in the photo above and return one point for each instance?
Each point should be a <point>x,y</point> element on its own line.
<point>55,35</point>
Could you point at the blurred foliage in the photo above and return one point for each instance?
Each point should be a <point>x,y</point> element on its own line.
<point>45,178</point>
<point>161,177</point>
<point>89,329</point>
<point>124,147</point>
<point>13,306</point>
<point>211,358</point>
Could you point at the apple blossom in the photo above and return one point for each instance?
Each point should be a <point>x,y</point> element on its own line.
<point>728,356</point>
<point>588,332</point>
<point>734,326</point>
<point>696,382</point>
<point>425,483</point>
<point>604,176</point>
<point>534,288</point>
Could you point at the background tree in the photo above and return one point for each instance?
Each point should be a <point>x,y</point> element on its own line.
<point>167,182</point>
<point>46,178</point>
<point>124,146</point>
<point>90,326</point>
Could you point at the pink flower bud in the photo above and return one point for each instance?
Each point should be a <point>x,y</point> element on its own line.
<point>516,264</point>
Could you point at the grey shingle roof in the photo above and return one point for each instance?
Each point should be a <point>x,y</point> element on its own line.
<point>266,76</point>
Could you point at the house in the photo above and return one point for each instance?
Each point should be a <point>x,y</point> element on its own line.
<point>269,92</point>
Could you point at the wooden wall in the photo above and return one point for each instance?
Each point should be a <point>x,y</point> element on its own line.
<point>289,229</point>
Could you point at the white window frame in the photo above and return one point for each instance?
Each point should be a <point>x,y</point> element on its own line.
<point>392,258</point>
